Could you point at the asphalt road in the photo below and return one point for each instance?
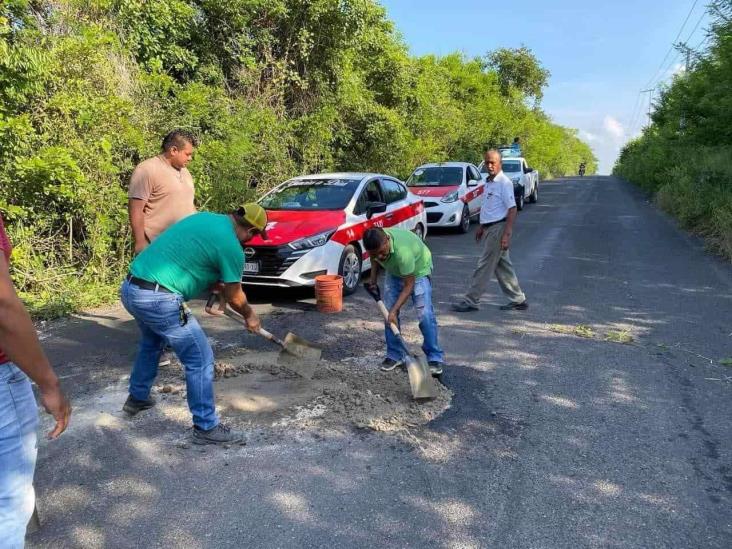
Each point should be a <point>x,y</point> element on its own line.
<point>553,440</point>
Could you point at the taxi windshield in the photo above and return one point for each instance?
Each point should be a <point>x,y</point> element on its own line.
<point>436,177</point>
<point>311,194</point>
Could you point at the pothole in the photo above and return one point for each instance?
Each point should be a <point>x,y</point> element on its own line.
<point>253,391</point>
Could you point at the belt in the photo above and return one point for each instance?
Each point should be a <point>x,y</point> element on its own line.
<point>486,225</point>
<point>147,285</point>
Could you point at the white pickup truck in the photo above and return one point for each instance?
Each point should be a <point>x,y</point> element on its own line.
<point>525,180</point>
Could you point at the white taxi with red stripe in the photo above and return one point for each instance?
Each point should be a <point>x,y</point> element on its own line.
<point>452,193</point>
<point>316,224</point>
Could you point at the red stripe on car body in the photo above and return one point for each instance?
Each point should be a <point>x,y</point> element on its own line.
<point>355,232</point>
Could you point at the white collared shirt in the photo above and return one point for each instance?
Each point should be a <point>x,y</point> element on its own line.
<point>498,198</point>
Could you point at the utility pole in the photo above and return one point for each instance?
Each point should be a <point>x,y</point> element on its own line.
<point>649,91</point>
<point>683,47</point>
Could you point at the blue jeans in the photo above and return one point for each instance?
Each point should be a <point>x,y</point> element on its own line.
<point>422,300</point>
<point>158,316</point>
<point>18,449</point>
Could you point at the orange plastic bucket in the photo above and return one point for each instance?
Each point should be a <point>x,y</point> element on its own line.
<point>329,293</point>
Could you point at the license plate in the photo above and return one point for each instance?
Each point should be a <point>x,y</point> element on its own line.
<point>251,267</point>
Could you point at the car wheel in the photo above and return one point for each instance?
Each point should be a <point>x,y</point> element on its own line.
<point>464,226</point>
<point>520,199</point>
<point>534,196</point>
<point>419,231</point>
<point>350,269</point>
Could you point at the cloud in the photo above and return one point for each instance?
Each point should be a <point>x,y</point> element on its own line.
<point>613,128</point>
<point>673,70</point>
<point>606,132</point>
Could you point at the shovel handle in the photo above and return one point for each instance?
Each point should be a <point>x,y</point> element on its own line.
<point>385,312</point>
<point>236,316</point>
<point>373,290</point>
<point>268,335</point>
<point>211,302</point>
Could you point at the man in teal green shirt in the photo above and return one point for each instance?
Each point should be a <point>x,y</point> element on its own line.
<point>191,256</point>
<point>408,265</point>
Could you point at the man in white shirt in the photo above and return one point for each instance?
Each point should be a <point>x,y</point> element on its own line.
<point>496,223</point>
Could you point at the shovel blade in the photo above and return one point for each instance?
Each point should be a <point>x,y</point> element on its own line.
<point>300,356</point>
<point>420,379</point>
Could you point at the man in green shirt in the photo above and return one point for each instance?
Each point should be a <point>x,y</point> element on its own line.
<point>408,265</point>
<point>195,253</point>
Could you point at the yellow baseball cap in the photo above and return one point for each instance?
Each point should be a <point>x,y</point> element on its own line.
<point>255,215</point>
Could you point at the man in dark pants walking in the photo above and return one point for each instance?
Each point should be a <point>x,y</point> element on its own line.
<point>497,216</point>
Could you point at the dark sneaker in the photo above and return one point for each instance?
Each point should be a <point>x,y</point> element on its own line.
<point>463,307</point>
<point>515,306</point>
<point>221,434</point>
<point>435,367</point>
<point>133,406</point>
<point>389,364</point>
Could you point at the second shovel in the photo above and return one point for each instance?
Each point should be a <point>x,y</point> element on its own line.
<point>420,379</point>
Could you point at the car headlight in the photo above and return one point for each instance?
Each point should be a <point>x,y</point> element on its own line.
<point>450,197</point>
<point>312,241</point>
<point>516,180</point>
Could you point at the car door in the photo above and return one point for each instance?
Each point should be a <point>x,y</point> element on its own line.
<point>370,193</point>
<point>533,177</point>
<point>476,188</point>
<point>526,178</point>
<point>398,208</point>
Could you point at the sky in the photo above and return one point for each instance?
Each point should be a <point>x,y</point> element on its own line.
<point>601,54</point>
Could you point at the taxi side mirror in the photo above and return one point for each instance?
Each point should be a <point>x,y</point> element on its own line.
<point>374,207</point>
<point>473,183</point>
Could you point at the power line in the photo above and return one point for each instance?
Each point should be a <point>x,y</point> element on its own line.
<point>665,73</point>
<point>665,57</point>
<point>703,15</point>
<point>701,44</point>
<point>661,72</point>
<point>649,91</point>
<point>636,112</point>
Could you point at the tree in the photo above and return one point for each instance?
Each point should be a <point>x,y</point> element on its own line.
<point>519,69</point>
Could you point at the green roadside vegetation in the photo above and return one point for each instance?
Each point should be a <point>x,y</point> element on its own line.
<point>685,156</point>
<point>273,88</point>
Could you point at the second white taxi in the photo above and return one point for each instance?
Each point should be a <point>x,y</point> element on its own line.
<point>452,193</point>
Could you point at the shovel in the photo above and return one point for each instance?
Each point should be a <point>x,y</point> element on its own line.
<point>297,354</point>
<point>420,379</point>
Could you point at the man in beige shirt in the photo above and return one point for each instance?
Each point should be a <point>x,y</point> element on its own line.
<point>161,193</point>
<point>161,189</point>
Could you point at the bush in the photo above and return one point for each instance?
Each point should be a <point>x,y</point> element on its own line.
<point>685,156</point>
<point>273,89</point>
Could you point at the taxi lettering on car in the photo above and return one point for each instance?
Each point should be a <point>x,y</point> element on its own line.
<point>316,225</point>
<point>452,193</point>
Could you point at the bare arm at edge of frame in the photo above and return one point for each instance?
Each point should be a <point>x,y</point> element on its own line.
<point>20,343</point>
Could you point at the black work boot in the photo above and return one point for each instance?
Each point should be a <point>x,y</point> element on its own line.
<point>221,434</point>
<point>435,367</point>
<point>133,406</point>
<point>389,364</point>
<point>464,307</point>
